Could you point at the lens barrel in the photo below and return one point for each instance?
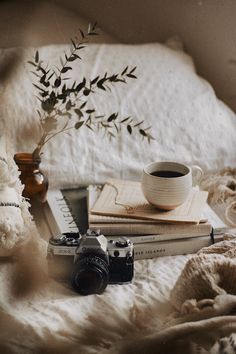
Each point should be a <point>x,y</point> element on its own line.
<point>90,275</point>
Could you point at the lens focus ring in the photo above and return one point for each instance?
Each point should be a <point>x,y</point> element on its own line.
<point>90,275</point>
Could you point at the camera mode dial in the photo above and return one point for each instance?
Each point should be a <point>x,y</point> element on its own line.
<point>58,240</point>
<point>67,238</point>
<point>121,243</point>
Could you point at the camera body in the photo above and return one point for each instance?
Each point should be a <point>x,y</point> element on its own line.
<point>90,261</point>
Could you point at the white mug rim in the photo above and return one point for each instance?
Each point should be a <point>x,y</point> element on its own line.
<point>164,162</point>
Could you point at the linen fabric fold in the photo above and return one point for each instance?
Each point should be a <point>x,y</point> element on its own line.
<point>11,220</point>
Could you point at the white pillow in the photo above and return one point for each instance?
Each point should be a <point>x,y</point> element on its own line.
<point>188,122</point>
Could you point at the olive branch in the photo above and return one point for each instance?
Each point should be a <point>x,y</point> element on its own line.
<point>65,107</point>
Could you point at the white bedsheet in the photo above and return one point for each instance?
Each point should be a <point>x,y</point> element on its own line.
<point>39,315</point>
<point>187,120</point>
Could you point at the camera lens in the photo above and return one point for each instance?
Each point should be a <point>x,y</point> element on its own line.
<point>90,275</point>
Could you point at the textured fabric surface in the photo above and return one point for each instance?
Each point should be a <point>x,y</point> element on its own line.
<point>222,191</point>
<point>209,273</point>
<point>11,220</point>
<point>39,315</point>
<point>188,122</point>
<point>16,225</point>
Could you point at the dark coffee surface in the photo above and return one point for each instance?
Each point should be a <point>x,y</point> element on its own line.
<point>167,174</point>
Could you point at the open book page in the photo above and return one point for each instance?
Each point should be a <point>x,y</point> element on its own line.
<point>125,199</point>
<point>94,192</point>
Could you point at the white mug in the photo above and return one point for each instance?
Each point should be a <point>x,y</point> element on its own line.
<point>167,184</point>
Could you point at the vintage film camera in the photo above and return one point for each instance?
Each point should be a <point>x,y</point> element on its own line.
<point>91,261</point>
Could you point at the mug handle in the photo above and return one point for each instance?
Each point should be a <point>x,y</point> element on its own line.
<point>197,174</point>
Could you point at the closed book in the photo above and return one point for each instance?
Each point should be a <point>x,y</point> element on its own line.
<point>66,210</point>
<point>172,248</point>
<point>209,220</point>
<point>153,229</point>
<point>156,238</point>
<point>111,225</point>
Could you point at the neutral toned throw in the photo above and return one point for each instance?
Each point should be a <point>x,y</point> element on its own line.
<point>222,189</point>
<point>205,301</point>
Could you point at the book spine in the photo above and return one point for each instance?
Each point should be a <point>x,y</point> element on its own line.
<point>52,226</point>
<point>156,238</point>
<point>159,249</point>
<point>154,229</point>
<point>59,214</point>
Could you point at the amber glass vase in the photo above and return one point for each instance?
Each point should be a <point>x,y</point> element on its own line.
<point>36,183</point>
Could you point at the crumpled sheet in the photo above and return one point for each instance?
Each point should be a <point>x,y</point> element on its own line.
<point>39,315</point>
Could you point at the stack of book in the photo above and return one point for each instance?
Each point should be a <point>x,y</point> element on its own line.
<point>119,209</point>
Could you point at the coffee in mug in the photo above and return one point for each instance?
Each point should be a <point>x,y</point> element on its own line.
<point>167,174</point>
<point>167,185</point>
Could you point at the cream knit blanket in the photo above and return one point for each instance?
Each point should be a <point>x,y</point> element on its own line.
<point>205,300</point>
<point>221,187</point>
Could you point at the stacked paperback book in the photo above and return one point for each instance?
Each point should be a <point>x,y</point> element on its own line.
<point>119,209</point>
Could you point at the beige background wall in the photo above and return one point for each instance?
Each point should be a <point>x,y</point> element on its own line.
<point>207,28</point>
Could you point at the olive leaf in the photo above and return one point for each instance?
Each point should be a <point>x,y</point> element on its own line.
<point>79,124</point>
